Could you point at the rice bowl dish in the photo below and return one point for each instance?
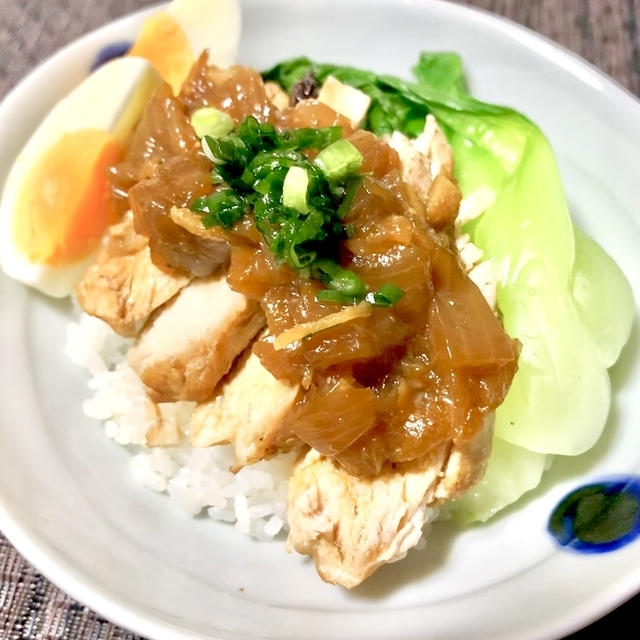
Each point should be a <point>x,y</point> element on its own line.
<point>254,497</point>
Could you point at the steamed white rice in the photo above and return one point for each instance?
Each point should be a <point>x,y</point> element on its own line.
<point>254,499</point>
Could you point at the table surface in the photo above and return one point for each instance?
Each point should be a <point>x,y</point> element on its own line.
<point>605,32</point>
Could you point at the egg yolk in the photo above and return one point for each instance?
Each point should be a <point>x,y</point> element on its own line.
<point>163,42</point>
<point>65,204</point>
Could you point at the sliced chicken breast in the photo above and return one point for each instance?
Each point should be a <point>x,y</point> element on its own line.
<point>466,464</point>
<point>248,410</point>
<point>191,342</point>
<point>350,526</point>
<point>427,167</point>
<point>123,287</point>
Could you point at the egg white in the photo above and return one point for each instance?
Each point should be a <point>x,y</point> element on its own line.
<point>111,99</point>
<point>210,24</point>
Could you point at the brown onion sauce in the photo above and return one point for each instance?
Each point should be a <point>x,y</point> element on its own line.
<point>387,387</point>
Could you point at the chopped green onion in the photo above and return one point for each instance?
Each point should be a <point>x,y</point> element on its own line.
<point>327,269</point>
<point>339,160</point>
<point>296,204</point>
<point>210,121</point>
<point>339,279</point>
<point>348,282</point>
<point>216,178</point>
<point>386,296</point>
<point>301,258</point>
<point>225,150</point>
<point>308,138</point>
<point>267,161</point>
<point>294,189</point>
<point>257,136</point>
<point>353,186</point>
<point>346,291</point>
<point>223,208</point>
<point>272,185</point>
<point>330,295</point>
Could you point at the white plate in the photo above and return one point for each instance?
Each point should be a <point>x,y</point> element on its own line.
<point>69,505</point>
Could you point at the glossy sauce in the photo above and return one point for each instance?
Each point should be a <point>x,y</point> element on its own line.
<point>386,387</point>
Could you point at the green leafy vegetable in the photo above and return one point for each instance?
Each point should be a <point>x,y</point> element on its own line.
<point>603,296</point>
<point>440,71</point>
<point>389,111</point>
<point>528,235</point>
<point>511,472</point>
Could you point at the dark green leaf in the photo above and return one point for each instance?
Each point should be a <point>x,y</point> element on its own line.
<point>286,74</point>
<point>440,70</point>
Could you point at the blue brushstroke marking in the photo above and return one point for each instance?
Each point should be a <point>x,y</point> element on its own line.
<point>598,517</point>
<point>110,52</point>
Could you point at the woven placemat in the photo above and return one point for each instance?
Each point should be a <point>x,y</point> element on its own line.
<point>605,32</point>
<point>31,608</point>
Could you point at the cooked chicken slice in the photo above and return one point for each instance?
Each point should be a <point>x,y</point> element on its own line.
<point>427,166</point>
<point>433,144</point>
<point>350,526</point>
<point>248,411</point>
<point>169,429</point>
<point>466,464</point>
<point>416,169</point>
<point>123,286</point>
<point>443,201</point>
<point>480,271</point>
<point>191,342</point>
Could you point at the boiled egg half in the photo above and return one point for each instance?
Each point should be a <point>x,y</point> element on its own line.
<point>56,202</point>
<point>173,39</point>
